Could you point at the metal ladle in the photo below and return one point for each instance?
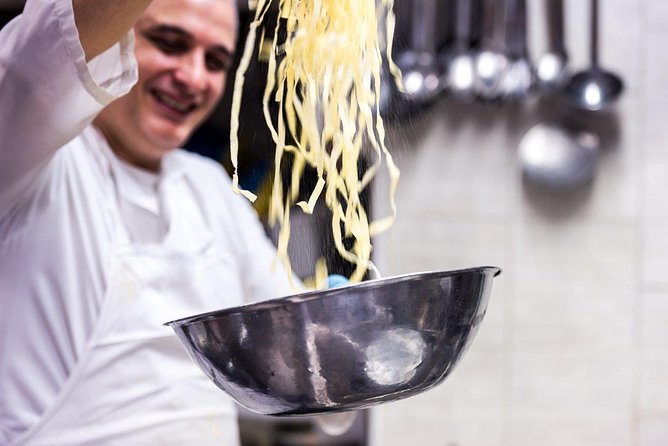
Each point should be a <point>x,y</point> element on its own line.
<point>419,65</point>
<point>491,62</point>
<point>551,68</point>
<point>558,159</point>
<point>519,77</point>
<point>460,74</point>
<point>593,89</point>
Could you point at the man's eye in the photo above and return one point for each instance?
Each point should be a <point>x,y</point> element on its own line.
<point>217,63</point>
<point>169,46</point>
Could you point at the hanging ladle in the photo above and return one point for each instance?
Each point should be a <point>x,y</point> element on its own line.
<point>556,158</point>
<point>518,79</point>
<point>593,89</point>
<point>551,68</point>
<point>419,65</point>
<point>460,74</point>
<point>491,62</point>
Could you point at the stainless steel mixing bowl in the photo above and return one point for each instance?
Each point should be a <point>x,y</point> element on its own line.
<point>343,348</point>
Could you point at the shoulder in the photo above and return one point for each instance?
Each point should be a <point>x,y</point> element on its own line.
<point>76,177</point>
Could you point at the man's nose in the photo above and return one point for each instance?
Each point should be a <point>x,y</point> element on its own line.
<point>192,72</point>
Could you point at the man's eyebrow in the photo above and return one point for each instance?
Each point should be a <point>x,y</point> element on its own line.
<point>170,29</point>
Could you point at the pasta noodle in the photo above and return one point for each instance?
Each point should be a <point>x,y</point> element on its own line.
<point>325,78</point>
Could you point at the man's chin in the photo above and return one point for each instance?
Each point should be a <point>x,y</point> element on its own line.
<point>171,139</point>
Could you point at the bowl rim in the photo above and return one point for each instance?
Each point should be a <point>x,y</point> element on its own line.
<point>315,294</point>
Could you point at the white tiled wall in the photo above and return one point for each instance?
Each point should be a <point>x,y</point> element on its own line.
<point>574,347</point>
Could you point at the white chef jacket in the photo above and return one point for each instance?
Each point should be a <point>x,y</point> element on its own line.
<point>63,196</point>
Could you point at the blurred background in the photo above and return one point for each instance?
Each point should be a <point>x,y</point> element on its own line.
<point>520,151</point>
<point>574,348</point>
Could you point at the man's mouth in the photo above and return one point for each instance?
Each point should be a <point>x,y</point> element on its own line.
<point>179,106</point>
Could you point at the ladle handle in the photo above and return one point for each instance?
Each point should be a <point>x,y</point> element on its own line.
<point>594,33</point>
<point>500,25</point>
<point>488,34</point>
<point>475,24</point>
<point>555,23</point>
<point>463,22</point>
<point>516,27</point>
<point>423,26</point>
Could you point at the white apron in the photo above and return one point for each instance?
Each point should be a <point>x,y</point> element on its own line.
<point>134,384</point>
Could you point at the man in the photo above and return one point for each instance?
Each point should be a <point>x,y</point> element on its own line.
<point>107,230</point>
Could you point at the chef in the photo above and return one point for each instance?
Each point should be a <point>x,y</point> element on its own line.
<point>108,230</point>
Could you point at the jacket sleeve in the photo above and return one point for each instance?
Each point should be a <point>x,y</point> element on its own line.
<point>48,93</point>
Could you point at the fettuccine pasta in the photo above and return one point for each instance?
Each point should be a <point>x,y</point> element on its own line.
<point>325,78</point>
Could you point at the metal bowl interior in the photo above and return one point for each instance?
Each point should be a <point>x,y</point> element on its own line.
<point>344,348</point>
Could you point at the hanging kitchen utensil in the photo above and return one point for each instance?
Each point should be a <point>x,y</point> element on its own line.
<point>491,62</point>
<point>551,72</point>
<point>419,65</point>
<point>594,89</point>
<point>460,60</point>
<point>518,78</point>
<point>558,159</point>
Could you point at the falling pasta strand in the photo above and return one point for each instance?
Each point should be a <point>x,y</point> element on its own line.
<point>324,78</point>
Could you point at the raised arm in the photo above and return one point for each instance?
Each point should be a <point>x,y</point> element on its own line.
<point>101,23</point>
<point>50,86</point>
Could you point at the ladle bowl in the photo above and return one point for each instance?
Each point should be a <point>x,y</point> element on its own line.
<point>551,71</point>
<point>594,89</point>
<point>341,349</point>
<point>558,159</point>
<point>490,69</point>
<point>461,76</point>
<point>422,75</point>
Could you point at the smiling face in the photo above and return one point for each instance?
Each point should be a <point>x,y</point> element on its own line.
<point>184,50</point>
